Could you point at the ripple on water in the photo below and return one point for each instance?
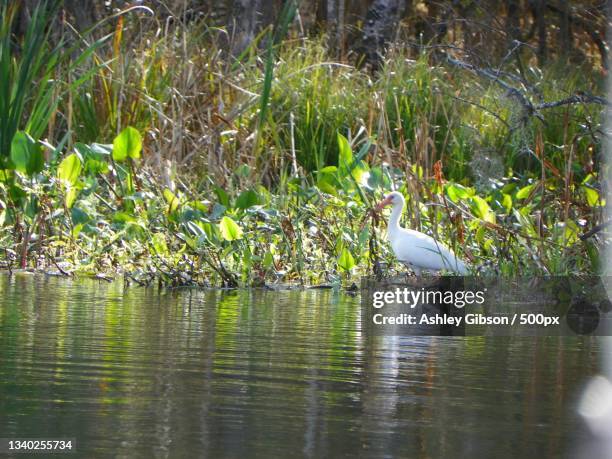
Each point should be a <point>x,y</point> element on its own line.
<point>142,373</point>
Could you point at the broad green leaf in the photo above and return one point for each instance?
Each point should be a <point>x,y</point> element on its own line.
<point>128,144</point>
<point>480,208</point>
<point>509,187</point>
<point>211,231</point>
<point>223,197</point>
<point>457,192</point>
<point>94,166</point>
<point>592,196</point>
<point>230,231</point>
<point>199,205</point>
<point>101,148</point>
<point>172,200</point>
<point>79,216</point>
<point>327,183</point>
<point>524,192</point>
<point>346,262</point>
<point>507,202</point>
<point>360,173</point>
<point>248,198</point>
<point>26,154</point>
<point>69,169</point>
<point>70,196</point>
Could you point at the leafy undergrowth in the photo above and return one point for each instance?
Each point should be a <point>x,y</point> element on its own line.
<point>98,212</point>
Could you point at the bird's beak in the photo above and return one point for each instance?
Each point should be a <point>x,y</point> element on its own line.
<point>384,203</point>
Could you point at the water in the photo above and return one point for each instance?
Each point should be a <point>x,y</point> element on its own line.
<point>143,373</point>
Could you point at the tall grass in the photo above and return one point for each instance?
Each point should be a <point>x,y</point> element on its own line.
<point>201,106</point>
<point>26,82</point>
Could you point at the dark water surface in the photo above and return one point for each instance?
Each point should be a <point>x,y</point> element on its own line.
<point>216,374</point>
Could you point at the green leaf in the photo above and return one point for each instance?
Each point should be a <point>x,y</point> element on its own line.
<point>70,196</point>
<point>507,202</point>
<point>327,183</point>
<point>345,154</point>
<point>222,196</point>
<point>93,166</point>
<point>360,173</point>
<point>26,154</point>
<point>230,231</point>
<point>480,208</point>
<point>128,144</point>
<point>525,191</point>
<point>79,216</point>
<point>171,199</point>
<point>248,198</point>
<point>457,192</point>
<point>346,262</point>
<point>592,196</point>
<point>69,169</point>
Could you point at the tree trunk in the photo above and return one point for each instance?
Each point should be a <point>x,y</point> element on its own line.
<point>248,18</point>
<point>83,13</point>
<point>512,22</point>
<point>380,23</point>
<point>539,11</point>
<point>243,24</point>
<point>565,30</point>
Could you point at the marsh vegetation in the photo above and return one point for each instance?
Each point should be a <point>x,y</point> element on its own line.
<point>147,145</point>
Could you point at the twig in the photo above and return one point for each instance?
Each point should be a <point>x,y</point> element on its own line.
<point>482,107</point>
<point>578,98</point>
<point>495,77</point>
<point>60,269</point>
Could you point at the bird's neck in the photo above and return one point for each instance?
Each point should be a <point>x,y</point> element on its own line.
<point>396,213</point>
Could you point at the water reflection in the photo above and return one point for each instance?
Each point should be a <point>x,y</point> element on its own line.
<point>142,373</point>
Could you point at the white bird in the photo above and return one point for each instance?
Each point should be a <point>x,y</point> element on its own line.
<point>416,250</point>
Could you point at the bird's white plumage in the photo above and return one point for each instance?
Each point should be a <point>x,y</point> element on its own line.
<point>417,250</point>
